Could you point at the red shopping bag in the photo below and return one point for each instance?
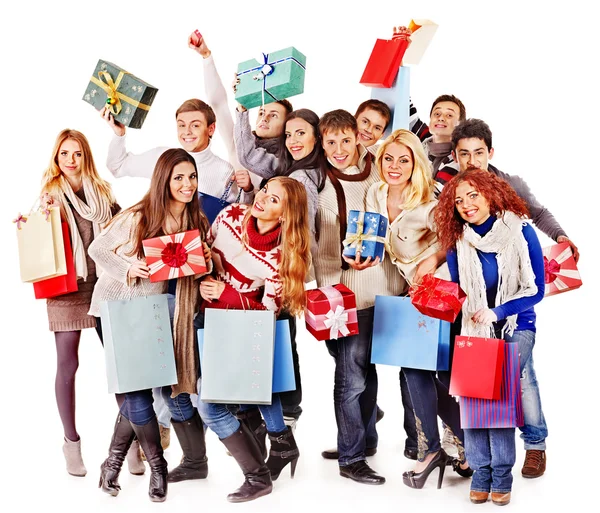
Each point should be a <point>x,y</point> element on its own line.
<point>384,62</point>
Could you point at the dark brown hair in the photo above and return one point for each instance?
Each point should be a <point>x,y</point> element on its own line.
<point>462,112</point>
<point>472,128</point>
<point>377,106</point>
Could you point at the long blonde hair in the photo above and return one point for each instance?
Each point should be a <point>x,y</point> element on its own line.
<point>51,179</point>
<point>295,244</point>
<point>420,185</point>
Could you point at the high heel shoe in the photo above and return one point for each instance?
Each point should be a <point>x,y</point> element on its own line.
<point>122,439</point>
<point>414,479</point>
<point>283,451</point>
<point>463,472</point>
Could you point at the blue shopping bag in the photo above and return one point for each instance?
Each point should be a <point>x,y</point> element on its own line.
<point>212,206</point>
<point>283,363</point>
<point>138,344</point>
<point>397,99</point>
<point>404,337</point>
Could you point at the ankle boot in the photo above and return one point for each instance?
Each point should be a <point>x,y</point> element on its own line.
<point>149,438</point>
<point>256,425</point>
<point>244,448</point>
<point>283,451</point>
<point>134,459</point>
<point>72,453</point>
<point>119,445</point>
<point>190,434</point>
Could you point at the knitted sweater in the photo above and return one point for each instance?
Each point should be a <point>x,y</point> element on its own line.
<point>213,172</point>
<point>250,271</point>
<point>382,279</point>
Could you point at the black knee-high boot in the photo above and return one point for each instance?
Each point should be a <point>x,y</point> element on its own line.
<point>257,426</point>
<point>149,438</point>
<point>190,434</point>
<point>122,438</point>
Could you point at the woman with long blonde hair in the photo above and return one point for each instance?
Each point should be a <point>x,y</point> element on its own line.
<point>86,201</point>
<point>261,256</point>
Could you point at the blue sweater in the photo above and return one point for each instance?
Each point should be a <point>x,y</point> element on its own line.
<point>522,306</point>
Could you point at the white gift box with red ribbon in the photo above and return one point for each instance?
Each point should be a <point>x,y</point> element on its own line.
<point>560,269</point>
<point>331,312</point>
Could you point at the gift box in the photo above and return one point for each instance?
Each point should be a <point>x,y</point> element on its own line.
<point>422,32</point>
<point>560,269</point>
<point>175,255</point>
<point>384,62</point>
<point>331,312</point>
<point>397,98</point>
<point>404,337</point>
<point>276,76</point>
<point>477,367</point>
<point>365,233</point>
<point>438,298</point>
<point>127,97</point>
<point>506,412</point>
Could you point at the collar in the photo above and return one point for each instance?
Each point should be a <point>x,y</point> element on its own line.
<point>262,242</point>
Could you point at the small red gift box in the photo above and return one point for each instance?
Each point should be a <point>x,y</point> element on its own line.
<point>438,298</point>
<point>59,285</point>
<point>560,269</point>
<point>384,62</point>
<point>477,367</point>
<point>331,312</point>
<point>175,255</point>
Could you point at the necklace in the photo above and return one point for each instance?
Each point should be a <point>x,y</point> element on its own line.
<point>177,223</point>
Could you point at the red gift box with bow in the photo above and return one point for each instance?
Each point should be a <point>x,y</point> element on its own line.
<point>437,298</point>
<point>331,312</point>
<point>560,269</point>
<point>175,255</point>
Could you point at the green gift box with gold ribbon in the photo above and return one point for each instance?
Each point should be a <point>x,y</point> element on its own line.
<point>127,97</point>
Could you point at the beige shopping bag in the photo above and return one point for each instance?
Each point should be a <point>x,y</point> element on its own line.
<point>41,246</point>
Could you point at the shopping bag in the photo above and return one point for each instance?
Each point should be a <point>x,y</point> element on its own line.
<point>477,367</point>
<point>212,206</point>
<point>237,356</point>
<point>397,98</point>
<point>138,344</point>
<point>506,412</point>
<point>404,337</point>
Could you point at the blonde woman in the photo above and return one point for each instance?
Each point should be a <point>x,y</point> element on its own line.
<point>86,202</point>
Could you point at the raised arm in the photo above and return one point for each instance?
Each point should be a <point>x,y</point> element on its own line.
<point>257,160</point>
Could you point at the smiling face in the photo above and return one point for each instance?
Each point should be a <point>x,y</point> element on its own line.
<point>183,183</point>
<point>470,204</point>
<point>397,164</point>
<point>444,118</point>
<point>299,138</point>
<point>371,125</point>
<point>69,158</point>
<point>340,148</point>
<point>268,203</point>
<point>270,120</point>
<point>193,132</point>
<point>472,153</point>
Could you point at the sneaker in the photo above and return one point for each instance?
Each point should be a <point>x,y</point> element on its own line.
<point>535,464</point>
<point>449,443</point>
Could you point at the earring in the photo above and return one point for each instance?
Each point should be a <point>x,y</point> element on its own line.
<point>281,220</point>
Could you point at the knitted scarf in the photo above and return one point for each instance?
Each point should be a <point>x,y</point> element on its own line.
<point>515,274</point>
<point>439,153</point>
<point>271,144</point>
<point>97,210</point>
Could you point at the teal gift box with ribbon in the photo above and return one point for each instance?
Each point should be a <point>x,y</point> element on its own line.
<point>365,233</point>
<point>279,76</point>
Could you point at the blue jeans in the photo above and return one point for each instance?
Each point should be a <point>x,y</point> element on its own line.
<point>180,408</point>
<point>355,391</point>
<point>491,454</point>
<point>534,430</point>
<point>137,406</point>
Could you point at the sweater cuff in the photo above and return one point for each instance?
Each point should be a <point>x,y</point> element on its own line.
<point>499,311</point>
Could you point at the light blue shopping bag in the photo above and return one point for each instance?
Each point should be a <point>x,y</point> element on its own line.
<point>404,337</point>
<point>138,344</point>
<point>397,99</point>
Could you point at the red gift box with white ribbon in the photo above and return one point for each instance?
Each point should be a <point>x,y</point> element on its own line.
<point>437,298</point>
<point>175,255</point>
<point>560,269</point>
<point>331,312</point>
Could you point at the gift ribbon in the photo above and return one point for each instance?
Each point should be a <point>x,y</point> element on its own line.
<point>184,269</point>
<point>114,97</point>
<point>551,269</point>
<point>428,289</point>
<point>174,254</point>
<point>20,219</point>
<point>337,322</point>
<point>353,240</point>
<point>557,274</point>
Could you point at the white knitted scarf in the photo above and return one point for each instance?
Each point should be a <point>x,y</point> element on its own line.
<point>515,274</point>
<point>97,210</point>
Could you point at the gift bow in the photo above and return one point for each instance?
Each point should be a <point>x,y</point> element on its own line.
<point>355,239</point>
<point>20,219</point>
<point>551,269</point>
<point>114,97</point>
<point>174,254</point>
<point>337,322</point>
<point>429,288</point>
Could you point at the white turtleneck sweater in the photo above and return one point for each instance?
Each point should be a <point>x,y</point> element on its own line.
<point>214,173</point>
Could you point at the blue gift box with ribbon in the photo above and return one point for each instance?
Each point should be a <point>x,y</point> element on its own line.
<point>366,232</point>
<point>278,76</point>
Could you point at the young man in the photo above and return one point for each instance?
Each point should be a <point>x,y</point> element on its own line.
<point>372,118</point>
<point>472,149</point>
<point>349,176</point>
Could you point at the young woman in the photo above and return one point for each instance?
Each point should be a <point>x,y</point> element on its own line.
<point>170,206</point>
<point>496,257</point>
<point>86,202</point>
<point>405,197</point>
<point>268,245</point>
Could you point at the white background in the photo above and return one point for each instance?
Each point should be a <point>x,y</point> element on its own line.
<point>526,70</point>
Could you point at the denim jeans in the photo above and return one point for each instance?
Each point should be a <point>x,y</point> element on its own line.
<point>491,454</point>
<point>534,430</point>
<point>137,406</point>
<point>355,391</point>
<point>290,401</point>
<point>430,398</point>
<point>180,408</point>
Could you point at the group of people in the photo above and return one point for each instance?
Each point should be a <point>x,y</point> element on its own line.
<point>288,186</point>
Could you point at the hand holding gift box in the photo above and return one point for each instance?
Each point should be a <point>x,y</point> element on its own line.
<point>365,234</point>
<point>561,272</point>
<point>175,255</point>
<point>331,312</point>
<point>438,298</point>
<point>127,97</point>
<point>275,76</point>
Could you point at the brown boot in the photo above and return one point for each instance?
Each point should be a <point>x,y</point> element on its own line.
<point>535,464</point>
<point>478,497</point>
<point>190,434</point>
<point>500,499</point>
<point>165,437</point>
<point>134,461</point>
<point>244,448</point>
<point>256,425</point>
<point>149,437</point>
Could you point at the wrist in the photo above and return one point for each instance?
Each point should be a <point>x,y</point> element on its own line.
<point>206,54</point>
